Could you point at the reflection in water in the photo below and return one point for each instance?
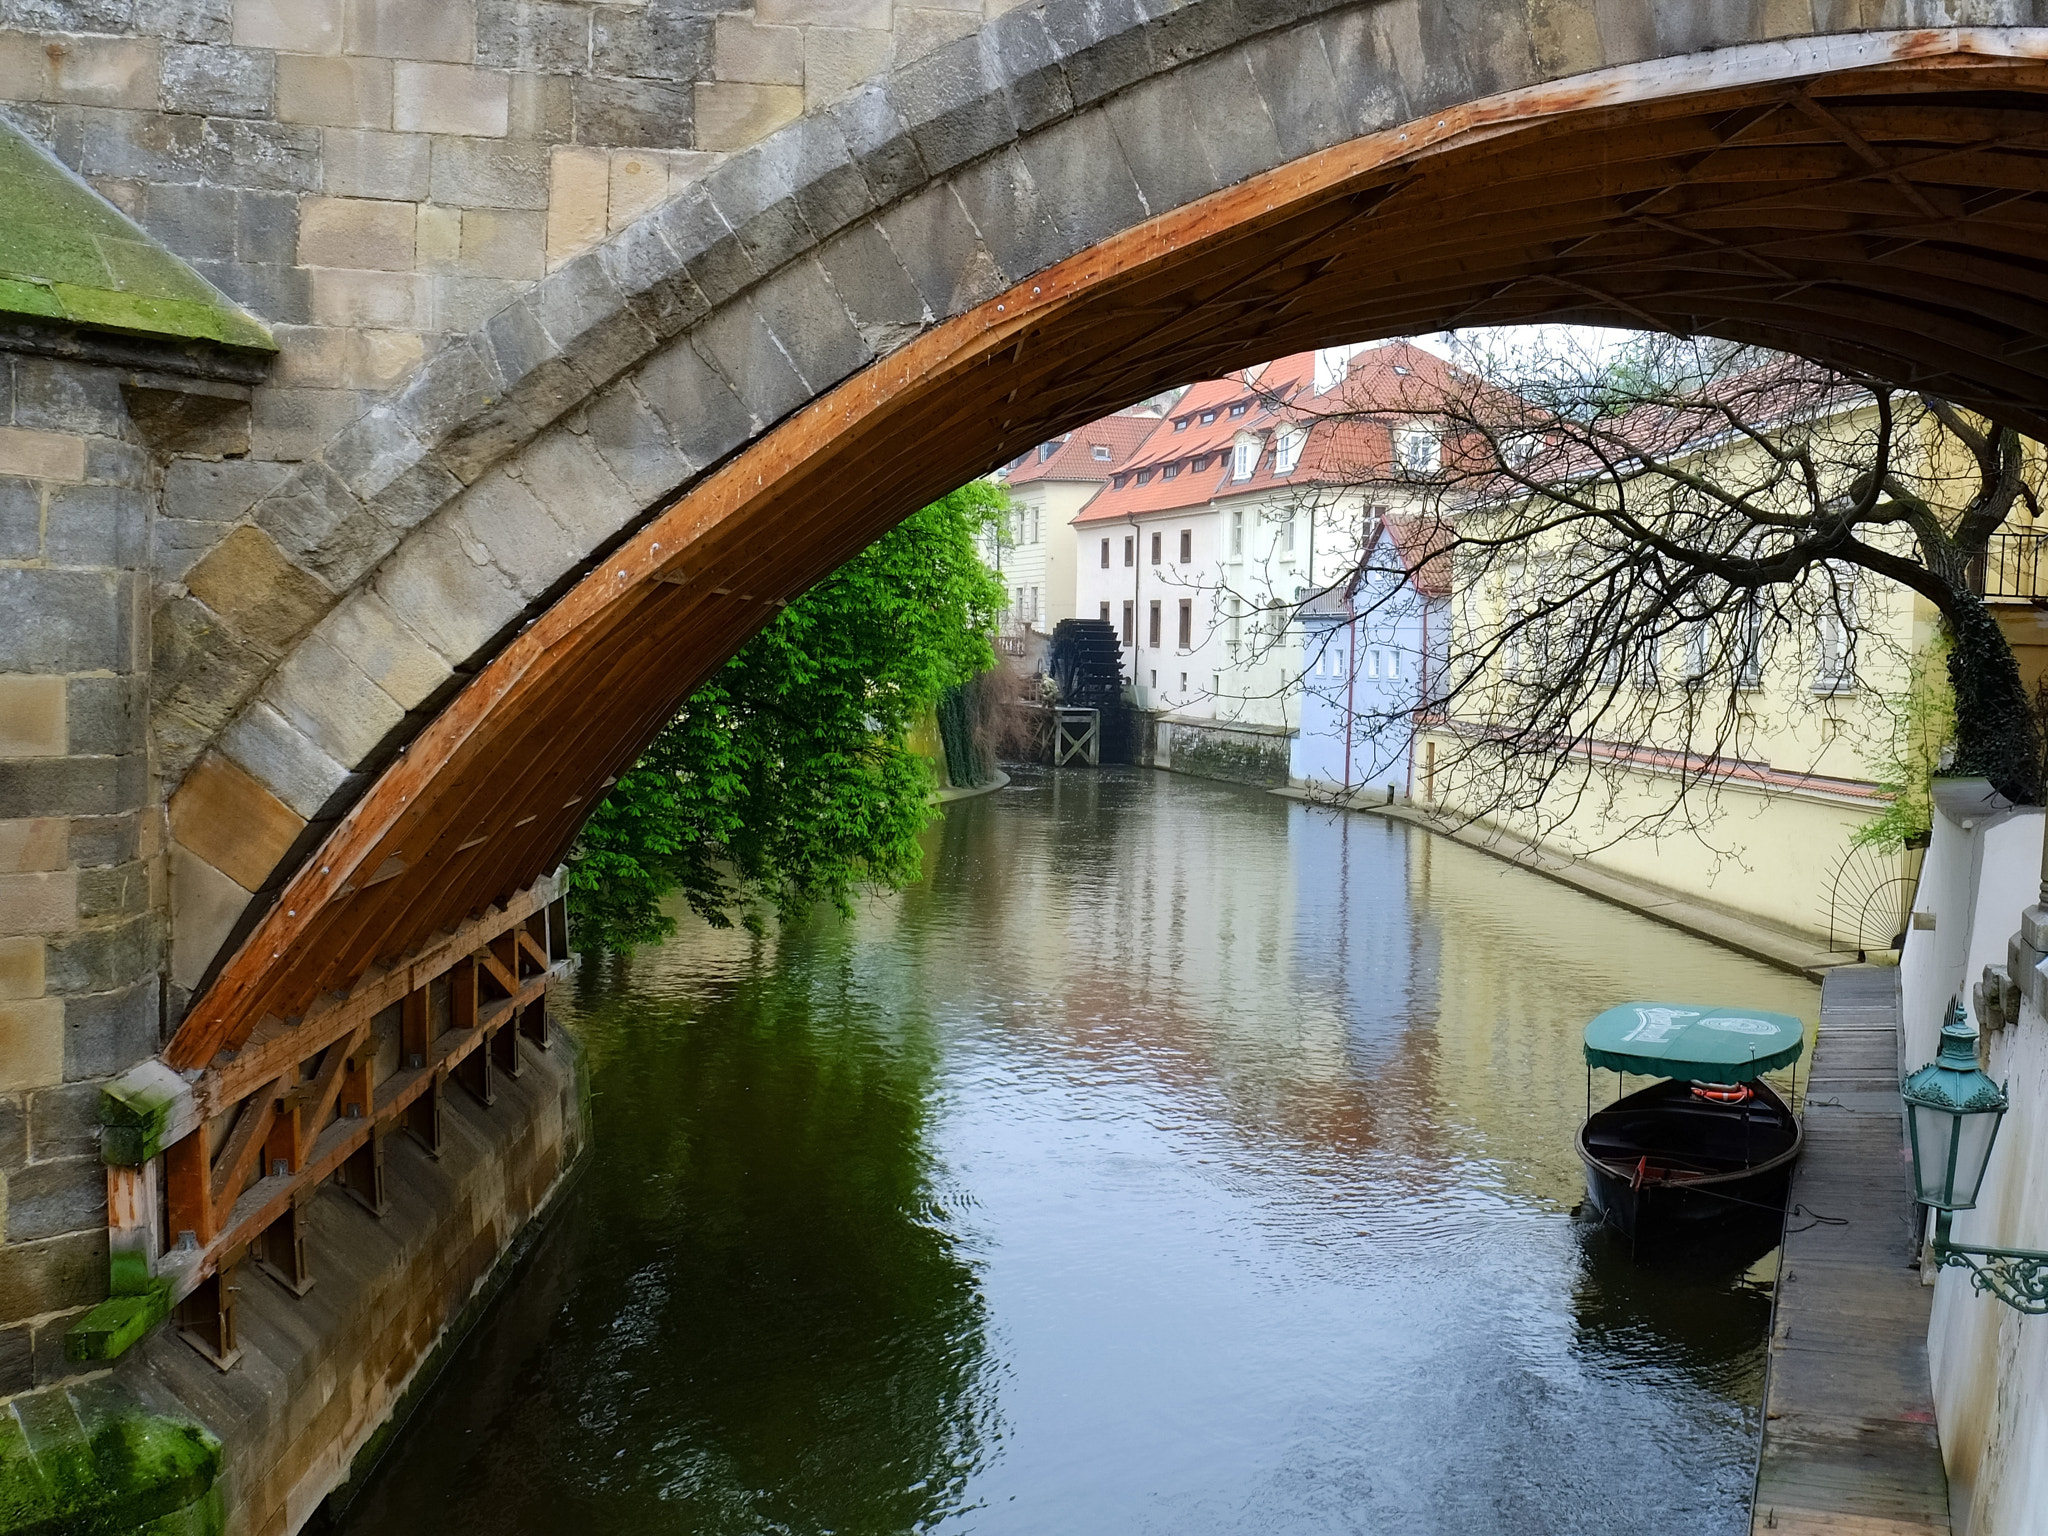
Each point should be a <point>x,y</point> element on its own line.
<point>1172,1159</point>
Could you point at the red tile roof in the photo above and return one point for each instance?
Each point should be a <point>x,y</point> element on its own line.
<point>1073,456</point>
<point>1394,379</point>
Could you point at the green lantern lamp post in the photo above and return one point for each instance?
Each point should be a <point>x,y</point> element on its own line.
<point>1952,1116</point>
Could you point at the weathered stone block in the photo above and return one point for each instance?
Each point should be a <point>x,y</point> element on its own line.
<point>1169,164</point>
<point>106,715</point>
<point>56,1198</point>
<point>335,91</point>
<point>266,227</point>
<point>198,222</point>
<point>812,327</point>
<point>450,98</point>
<point>384,165</point>
<point>108,1032</point>
<point>654,114</point>
<point>563,470</point>
<point>185,21</point>
<point>283,759</point>
<point>119,890</point>
<point>31,1056</point>
<point>295,424</point>
<point>207,905</point>
<point>102,959</point>
<point>741,345</point>
<point>67,397</point>
<point>747,51</point>
<point>634,445</point>
<point>868,14</point>
<point>45,902</point>
<point>836,59</point>
<point>98,840</point>
<point>42,455</point>
<point>280,294</point>
<point>639,180</point>
<point>878,293</point>
<point>732,116</point>
<point>437,237</point>
<point>388,300</point>
<point>324,528</point>
<point>54,1275</point>
<point>1292,70</point>
<point>32,716</point>
<point>1082,182</point>
<point>332,703</point>
<point>34,843</point>
<point>478,173</point>
<point>219,491</point>
<point>533,36</point>
<point>405,29</point>
<point>366,631</point>
<point>938,245</point>
<point>579,202</point>
<point>289,26</point>
<point>35,787</point>
<point>21,519</point>
<point>225,816</point>
<point>217,81</point>
<point>659,40</point>
<point>454,600</point>
<point>1230,118</point>
<point>355,232</point>
<point>63,621</point>
<point>96,525</point>
<point>504,242</point>
<point>657,287</point>
<point>1001,199</point>
<point>91,71</point>
<point>249,583</point>
<point>501,521</point>
<point>919,33</point>
<point>21,976</point>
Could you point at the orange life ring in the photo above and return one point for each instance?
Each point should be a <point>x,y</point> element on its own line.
<point>1723,1093</point>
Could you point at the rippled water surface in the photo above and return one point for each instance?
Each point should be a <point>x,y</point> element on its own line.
<point>1172,1159</point>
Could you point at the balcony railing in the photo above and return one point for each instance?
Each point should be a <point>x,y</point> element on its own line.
<point>2012,567</point>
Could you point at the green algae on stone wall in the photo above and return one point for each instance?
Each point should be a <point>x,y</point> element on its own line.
<point>69,256</point>
<point>87,1459</point>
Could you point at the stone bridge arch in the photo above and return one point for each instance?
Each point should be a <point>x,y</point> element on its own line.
<point>566,518</point>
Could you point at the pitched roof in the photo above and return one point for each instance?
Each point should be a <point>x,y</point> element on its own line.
<point>1078,455</point>
<point>1387,380</point>
<point>1422,545</point>
<point>69,256</point>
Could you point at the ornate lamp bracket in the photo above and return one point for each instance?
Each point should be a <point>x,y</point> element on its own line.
<point>2016,1276</point>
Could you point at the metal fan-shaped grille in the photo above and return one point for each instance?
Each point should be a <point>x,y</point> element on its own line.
<point>1868,893</point>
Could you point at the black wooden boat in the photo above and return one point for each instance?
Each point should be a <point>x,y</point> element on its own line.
<point>1709,1149</point>
<point>1664,1162</point>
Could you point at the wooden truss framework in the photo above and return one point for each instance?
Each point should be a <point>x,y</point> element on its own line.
<point>297,1105</point>
<point>1890,217</point>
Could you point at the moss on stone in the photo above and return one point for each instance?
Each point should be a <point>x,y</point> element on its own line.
<point>110,1468</point>
<point>67,254</point>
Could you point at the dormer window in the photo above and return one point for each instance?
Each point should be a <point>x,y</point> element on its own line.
<point>1287,449</point>
<point>1201,462</point>
<point>1402,369</point>
<point>1207,417</point>
<point>1102,452</point>
<point>1240,408</point>
<point>1046,451</point>
<point>1244,458</point>
<point>1116,482</point>
<point>1144,475</point>
<point>1180,424</point>
<point>1169,472</point>
<point>1417,451</point>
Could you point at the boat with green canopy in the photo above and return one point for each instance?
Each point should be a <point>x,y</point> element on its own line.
<point>1709,1144</point>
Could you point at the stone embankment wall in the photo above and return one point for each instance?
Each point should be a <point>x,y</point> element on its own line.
<point>1989,1363</point>
<point>1242,754</point>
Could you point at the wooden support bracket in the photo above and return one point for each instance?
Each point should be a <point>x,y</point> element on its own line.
<point>280,1249</point>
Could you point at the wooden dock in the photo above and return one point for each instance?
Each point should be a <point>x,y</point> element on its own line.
<point>1849,1446</point>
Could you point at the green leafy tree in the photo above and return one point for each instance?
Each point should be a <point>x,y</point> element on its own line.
<point>786,778</point>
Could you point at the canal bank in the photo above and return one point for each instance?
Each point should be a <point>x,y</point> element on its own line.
<point>1170,1152</point>
<point>1760,941</point>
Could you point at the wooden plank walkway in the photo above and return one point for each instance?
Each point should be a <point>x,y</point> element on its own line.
<point>1849,1446</point>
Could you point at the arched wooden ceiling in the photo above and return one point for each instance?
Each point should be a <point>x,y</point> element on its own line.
<point>1889,219</point>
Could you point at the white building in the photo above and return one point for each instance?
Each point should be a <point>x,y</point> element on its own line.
<point>1032,552</point>
<point>1233,513</point>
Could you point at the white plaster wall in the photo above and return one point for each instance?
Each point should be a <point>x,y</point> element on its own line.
<point>1989,1363</point>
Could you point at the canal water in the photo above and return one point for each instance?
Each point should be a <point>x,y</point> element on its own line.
<point>1172,1159</point>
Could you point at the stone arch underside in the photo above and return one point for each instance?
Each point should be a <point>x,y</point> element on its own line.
<point>1872,199</point>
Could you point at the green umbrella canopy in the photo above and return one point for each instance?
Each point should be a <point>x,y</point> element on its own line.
<point>1693,1040</point>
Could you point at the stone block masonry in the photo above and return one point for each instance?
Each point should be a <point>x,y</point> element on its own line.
<point>81,860</point>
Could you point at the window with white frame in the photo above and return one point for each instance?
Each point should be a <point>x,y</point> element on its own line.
<point>1237,533</point>
<point>1417,450</point>
<point>1287,448</point>
<point>1749,663</point>
<point>1244,457</point>
<point>1285,518</point>
<point>1835,643</point>
<point>1102,452</point>
<point>1234,626</point>
<point>1331,363</point>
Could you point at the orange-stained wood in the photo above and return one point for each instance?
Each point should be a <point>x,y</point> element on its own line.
<point>1623,198</point>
